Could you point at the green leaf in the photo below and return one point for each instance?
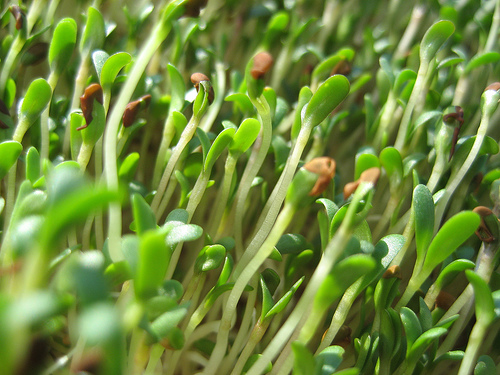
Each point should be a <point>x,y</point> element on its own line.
<point>165,323</point>
<point>292,243</point>
<point>305,96</point>
<point>452,270</point>
<point>242,101</point>
<point>425,316</point>
<point>62,44</point>
<point>210,258</point>
<point>343,274</point>
<point>283,301</point>
<point>485,366</point>
<point>178,89</point>
<point>94,32</point>
<point>434,39</point>
<point>245,136</point>
<point>304,363</point>
<point>451,235</point>
<point>328,96</point>
<point>365,161</point>
<point>99,58</point>
<point>95,130</point>
<point>218,146</point>
<point>423,209</point>
<point>36,99</point>
<point>111,67</point>
<point>412,326</point>
<point>33,171</point>
<point>328,360</point>
<point>154,258</point>
<point>76,121</point>
<point>267,298</point>
<point>144,217</point>
<point>485,307</point>
<point>421,344</point>
<point>481,59</point>
<point>180,232</point>
<point>178,214</point>
<point>128,167</point>
<point>227,268</point>
<point>391,160</point>
<point>9,151</point>
<point>326,66</point>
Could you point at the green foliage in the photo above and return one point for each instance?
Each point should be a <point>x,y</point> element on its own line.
<point>191,241</point>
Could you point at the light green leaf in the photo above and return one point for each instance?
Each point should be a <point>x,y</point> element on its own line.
<point>434,39</point>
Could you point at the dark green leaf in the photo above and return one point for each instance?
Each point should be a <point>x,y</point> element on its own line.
<point>163,325</point>
<point>423,209</point>
<point>33,172</point>
<point>485,366</point>
<point>412,326</point>
<point>283,301</point>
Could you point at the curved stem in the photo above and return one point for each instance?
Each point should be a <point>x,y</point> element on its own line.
<point>110,164</point>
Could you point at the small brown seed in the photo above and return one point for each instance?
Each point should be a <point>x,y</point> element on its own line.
<point>94,91</point>
<point>196,79</point>
<point>19,16</point>
<point>350,188</point>
<point>370,175</point>
<point>392,272</point>
<point>494,86</point>
<point>483,232</point>
<point>262,62</point>
<point>444,300</point>
<point>133,108</point>
<point>324,167</point>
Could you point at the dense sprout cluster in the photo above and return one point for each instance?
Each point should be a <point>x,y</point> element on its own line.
<point>230,187</point>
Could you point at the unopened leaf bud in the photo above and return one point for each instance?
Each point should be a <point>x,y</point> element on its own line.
<point>197,78</point>
<point>488,229</point>
<point>19,16</point>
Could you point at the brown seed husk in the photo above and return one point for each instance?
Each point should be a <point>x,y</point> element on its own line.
<point>483,232</point>
<point>196,78</point>
<point>19,16</point>
<point>370,175</point>
<point>350,188</point>
<point>324,167</point>
<point>392,272</point>
<point>133,108</point>
<point>262,62</point>
<point>495,86</point>
<point>91,93</point>
<point>444,300</point>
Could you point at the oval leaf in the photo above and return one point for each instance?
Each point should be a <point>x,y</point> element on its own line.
<point>328,96</point>
<point>423,209</point>
<point>452,234</point>
<point>245,136</point>
<point>112,67</point>
<point>62,44</point>
<point>434,39</point>
<point>218,146</point>
<point>9,152</point>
